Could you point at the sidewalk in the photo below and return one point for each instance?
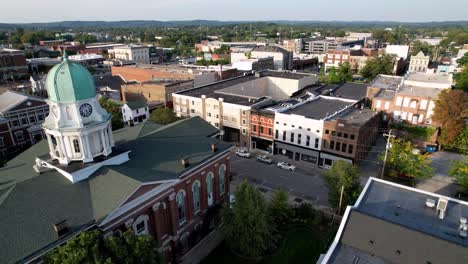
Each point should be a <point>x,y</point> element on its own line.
<point>203,248</point>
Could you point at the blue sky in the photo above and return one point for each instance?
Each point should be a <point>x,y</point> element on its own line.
<point>13,11</point>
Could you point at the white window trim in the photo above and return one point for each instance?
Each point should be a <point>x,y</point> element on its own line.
<point>144,219</point>
<point>196,210</point>
<point>222,190</point>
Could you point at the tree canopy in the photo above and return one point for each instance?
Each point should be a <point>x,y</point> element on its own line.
<point>421,46</point>
<point>279,208</point>
<point>114,109</point>
<point>343,174</point>
<point>402,161</point>
<point>247,226</point>
<point>459,170</point>
<point>91,247</point>
<point>378,65</point>
<point>451,112</point>
<point>345,73</point>
<point>163,116</point>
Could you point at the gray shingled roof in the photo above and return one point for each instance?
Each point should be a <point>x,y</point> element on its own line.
<point>31,203</point>
<point>10,99</point>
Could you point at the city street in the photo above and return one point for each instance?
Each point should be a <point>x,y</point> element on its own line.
<point>307,184</point>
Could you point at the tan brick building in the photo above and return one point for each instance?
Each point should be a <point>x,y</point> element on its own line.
<point>149,72</point>
<point>410,98</point>
<point>350,135</point>
<point>155,91</point>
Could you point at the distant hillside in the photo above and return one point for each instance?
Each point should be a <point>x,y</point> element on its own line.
<point>155,23</point>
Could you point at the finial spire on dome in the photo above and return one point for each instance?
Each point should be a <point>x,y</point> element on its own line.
<point>65,54</point>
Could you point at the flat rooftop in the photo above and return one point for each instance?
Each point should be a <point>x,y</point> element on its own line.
<point>171,67</point>
<point>387,82</point>
<point>319,108</point>
<point>429,77</point>
<point>407,207</point>
<point>355,116</point>
<point>391,223</point>
<point>420,91</point>
<point>246,90</point>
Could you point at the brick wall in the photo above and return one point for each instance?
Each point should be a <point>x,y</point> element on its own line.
<point>262,122</point>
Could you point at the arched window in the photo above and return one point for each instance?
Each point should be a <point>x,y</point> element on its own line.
<point>222,173</point>
<point>180,199</point>
<point>196,196</point>
<point>140,226</point>
<point>209,188</point>
<point>76,146</point>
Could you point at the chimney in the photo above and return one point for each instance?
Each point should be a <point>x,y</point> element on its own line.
<point>124,94</point>
<point>61,228</point>
<point>214,147</point>
<point>185,162</point>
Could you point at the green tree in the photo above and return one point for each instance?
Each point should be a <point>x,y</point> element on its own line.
<point>345,73</point>
<point>114,109</point>
<point>91,247</point>
<point>459,171</point>
<point>279,207</point>
<point>421,46</point>
<point>247,227</point>
<point>332,77</point>
<point>344,175</point>
<point>85,38</point>
<point>87,247</point>
<point>461,79</point>
<point>450,112</point>
<point>378,65</point>
<point>322,77</point>
<point>402,161</point>
<point>463,60</point>
<point>163,116</point>
<point>133,249</point>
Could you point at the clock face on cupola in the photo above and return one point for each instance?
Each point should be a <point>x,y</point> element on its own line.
<point>86,110</point>
<point>77,128</point>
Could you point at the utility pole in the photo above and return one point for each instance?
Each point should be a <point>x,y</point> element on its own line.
<point>389,136</point>
<point>341,199</point>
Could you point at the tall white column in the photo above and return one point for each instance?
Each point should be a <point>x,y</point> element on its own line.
<point>88,148</point>
<point>103,142</point>
<point>51,146</point>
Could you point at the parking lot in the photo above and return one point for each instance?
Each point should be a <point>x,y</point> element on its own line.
<point>306,184</point>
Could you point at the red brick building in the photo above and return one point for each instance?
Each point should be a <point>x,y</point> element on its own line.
<point>24,114</point>
<point>262,130</point>
<point>12,63</point>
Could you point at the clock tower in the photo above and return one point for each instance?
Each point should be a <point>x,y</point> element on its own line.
<point>77,128</point>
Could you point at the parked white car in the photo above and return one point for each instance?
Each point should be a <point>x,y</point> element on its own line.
<point>243,153</point>
<point>286,166</point>
<point>265,159</point>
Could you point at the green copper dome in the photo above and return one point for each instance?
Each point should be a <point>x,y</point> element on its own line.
<point>69,82</point>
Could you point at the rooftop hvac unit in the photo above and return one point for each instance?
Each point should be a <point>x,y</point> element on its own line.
<point>430,203</point>
<point>463,229</point>
<point>442,207</point>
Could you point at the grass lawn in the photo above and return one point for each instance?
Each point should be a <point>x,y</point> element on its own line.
<point>415,131</point>
<point>301,245</point>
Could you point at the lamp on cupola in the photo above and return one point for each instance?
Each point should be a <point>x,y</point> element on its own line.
<point>77,128</point>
